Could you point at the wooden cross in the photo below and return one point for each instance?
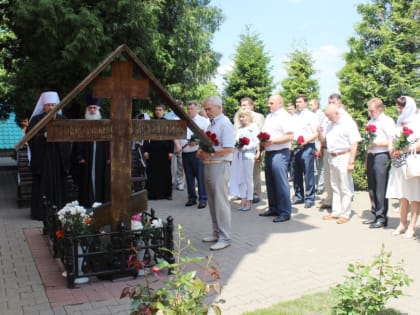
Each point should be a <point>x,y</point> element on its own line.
<point>120,130</point>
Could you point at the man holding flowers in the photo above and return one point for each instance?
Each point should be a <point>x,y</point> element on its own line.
<point>217,172</point>
<point>303,162</point>
<point>275,138</point>
<point>379,130</point>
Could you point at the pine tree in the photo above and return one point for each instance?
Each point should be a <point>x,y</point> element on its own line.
<point>250,76</point>
<point>300,71</point>
<point>384,56</point>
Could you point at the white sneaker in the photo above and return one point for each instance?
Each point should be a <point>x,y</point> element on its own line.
<point>219,245</point>
<point>210,239</point>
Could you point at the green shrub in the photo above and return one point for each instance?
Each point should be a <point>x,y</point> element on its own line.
<point>183,293</point>
<point>370,287</point>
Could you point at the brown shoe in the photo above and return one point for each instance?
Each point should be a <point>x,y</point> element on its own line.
<point>329,217</point>
<point>342,220</point>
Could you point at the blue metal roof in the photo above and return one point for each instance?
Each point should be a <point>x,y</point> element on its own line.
<point>10,133</point>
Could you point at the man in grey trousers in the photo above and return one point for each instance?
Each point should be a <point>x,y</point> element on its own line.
<point>217,172</point>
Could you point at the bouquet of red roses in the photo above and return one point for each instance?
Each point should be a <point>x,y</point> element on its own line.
<point>213,138</point>
<point>401,141</point>
<point>242,142</point>
<point>369,135</point>
<point>263,136</point>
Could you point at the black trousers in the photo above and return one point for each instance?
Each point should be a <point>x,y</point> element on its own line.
<point>377,175</point>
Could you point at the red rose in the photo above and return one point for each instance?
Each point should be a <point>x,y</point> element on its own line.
<point>407,131</point>
<point>263,136</point>
<point>244,141</point>
<point>300,140</point>
<point>370,128</point>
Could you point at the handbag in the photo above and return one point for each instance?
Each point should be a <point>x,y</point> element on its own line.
<point>413,165</point>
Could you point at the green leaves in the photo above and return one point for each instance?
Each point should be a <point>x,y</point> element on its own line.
<point>369,287</point>
<point>54,44</point>
<point>183,292</point>
<point>383,57</point>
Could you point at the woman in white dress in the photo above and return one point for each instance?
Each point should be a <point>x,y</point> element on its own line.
<point>241,181</point>
<point>406,190</point>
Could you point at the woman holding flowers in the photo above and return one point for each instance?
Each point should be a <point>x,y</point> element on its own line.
<point>406,139</point>
<point>241,181</point>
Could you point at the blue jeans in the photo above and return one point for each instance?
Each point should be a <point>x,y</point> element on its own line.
<point>194,170</point>
<point>303,167</point>
<point>277,183</point>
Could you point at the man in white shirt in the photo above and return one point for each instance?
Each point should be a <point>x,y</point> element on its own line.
<point>305,133</point>
<point>342,137</point>
<point>278,125</point>
<point>378,161</point>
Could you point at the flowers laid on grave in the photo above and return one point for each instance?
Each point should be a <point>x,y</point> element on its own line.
<point>75,217</point>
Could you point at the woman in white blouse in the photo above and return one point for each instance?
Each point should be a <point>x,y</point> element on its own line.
<point>241,181</point>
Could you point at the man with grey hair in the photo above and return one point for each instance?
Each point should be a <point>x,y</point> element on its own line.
<point>92,163</point>
<point>217,172</point>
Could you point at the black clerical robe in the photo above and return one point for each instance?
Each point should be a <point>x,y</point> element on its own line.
<point>159,176</point>
<point>50,164</point>
<point>92,176</point>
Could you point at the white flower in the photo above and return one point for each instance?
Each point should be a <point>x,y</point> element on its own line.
<point>96,204</point>
<point>136,225</point>
<point>157,223</point>
<point>71,209</point>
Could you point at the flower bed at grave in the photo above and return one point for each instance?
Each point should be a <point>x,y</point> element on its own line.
<point>107,255</point>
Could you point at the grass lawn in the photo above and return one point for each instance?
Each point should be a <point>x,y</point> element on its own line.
<point>313,304</point>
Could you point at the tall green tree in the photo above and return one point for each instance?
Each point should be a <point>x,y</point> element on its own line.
<point>59,42</point>
<point>384,55</point>
<point>383,61</point>
<point>250,76</point>
<point>300,76</point>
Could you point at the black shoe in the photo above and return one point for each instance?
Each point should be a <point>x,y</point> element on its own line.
<point>281,218</point>
<point>268,213</point>
<point>309,205</point>
<point>256,199</point>
<point>202,204</point>
<point>378,225</point>
<point>190,203</point>
<point>296,202</point>
<point>370,221</point>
